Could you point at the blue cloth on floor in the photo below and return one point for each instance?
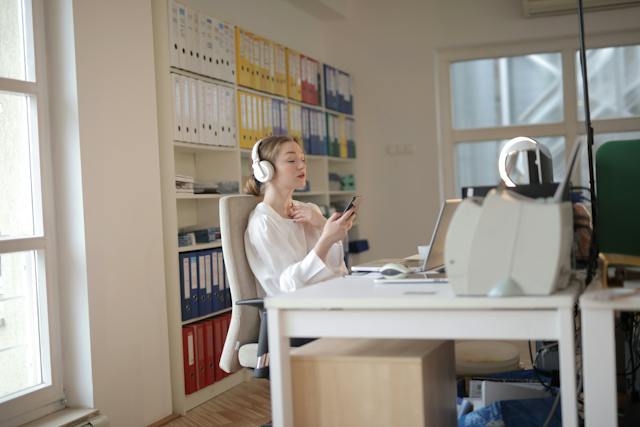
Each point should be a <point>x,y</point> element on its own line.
<point>514,413</point>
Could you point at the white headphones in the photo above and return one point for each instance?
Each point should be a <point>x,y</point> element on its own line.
<point>263,170</point>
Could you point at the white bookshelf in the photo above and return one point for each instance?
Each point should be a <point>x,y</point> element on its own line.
<point>209,163</point>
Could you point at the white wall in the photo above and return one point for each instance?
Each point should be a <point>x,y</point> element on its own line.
<point>105,127</point>
<point>390,49</point>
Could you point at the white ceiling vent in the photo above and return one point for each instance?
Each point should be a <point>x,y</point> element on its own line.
<point>533,8</point>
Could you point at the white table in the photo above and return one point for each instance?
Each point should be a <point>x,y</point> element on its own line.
<point>598,307</point>
<point>356,307</point>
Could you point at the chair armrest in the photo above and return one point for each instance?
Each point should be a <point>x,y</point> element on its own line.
<point>254,302</point>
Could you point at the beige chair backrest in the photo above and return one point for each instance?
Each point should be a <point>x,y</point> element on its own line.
<point>245,321</point>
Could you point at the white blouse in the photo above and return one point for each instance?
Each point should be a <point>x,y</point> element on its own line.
<point>280,252</point>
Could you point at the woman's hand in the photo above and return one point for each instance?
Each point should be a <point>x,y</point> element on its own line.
<point>334,230</point>
<point>305,214</point>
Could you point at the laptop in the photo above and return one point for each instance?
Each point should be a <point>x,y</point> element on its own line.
<point>430,266</point>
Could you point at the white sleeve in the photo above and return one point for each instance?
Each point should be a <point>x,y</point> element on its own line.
<point>274,262</point>
<point>335,256</point>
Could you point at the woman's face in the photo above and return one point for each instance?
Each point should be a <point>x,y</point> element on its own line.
<point>291,167</point>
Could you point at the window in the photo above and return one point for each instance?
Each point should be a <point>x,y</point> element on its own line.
<point>497,93</point>
<point>29,345</point>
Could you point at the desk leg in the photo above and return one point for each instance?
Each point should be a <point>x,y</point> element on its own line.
<point>280,371</point>
<point>567,352</point>
<point>599,368</point>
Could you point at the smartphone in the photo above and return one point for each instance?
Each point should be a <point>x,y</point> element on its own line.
<point>355,201</point>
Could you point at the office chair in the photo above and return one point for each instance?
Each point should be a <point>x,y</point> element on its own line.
<point>246,343</point>
<point>617,181</point>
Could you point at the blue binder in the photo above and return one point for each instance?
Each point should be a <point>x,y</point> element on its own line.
<point>195,294</point>
<point>185,287</point>
<point>204,269</point>
<point>218,285</point>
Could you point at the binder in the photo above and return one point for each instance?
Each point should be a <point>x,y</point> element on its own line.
<point>178,119</point>
<point>227,289</point>
<point>228,117</point>
<point>271,67</point>
<point>220,279</point>
<point>209,353</point>
<point>294,85</point>
<point>185,287</point>
<point>275,117</point>
<point>295,121</point>
<point>306,139</point>
<point>284,118</point>
<point>255,122</point>
<point>185,92</point>
<point>193,42</point>
<point>267,119</point>
<point>351,143</point>
<point>195,294</point>
<point>330,96</point>
<point>259,118</point>
<point>324,141</point>
<point>207,45</point>
<point>201,362</point>
<point>220,335</point>
<point>203,310</point>
<point>177,34</point>
<point>189,360</point>
<point>194,111</point>
<point>208,113</point>
<point>242,71</point>
<point>309,80</point>
<point>206,292</point>
<point>280,87</point>
<point>255,62</point>
<point>218,296</point>
<point>226,46</point>
<point>243,131</point>
<point>342,139</point>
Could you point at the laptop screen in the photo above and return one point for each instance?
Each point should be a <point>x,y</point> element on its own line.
<point>435,258</point>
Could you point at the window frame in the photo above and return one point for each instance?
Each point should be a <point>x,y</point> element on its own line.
<point>570,128</point>
<point>45,398</point>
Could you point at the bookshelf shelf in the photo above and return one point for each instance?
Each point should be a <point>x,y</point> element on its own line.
<point>191,147</point>
<point>200,246</point>
<point>208,316</point>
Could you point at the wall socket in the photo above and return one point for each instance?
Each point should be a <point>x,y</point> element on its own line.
<point>400,149</point>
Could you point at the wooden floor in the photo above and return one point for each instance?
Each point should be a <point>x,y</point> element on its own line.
<point>245,405</point>
<point>248,404</point>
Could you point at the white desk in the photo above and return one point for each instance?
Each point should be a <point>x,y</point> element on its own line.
<point>599,352</point>
<point>356,307</point>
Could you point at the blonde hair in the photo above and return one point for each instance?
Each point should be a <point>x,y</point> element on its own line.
<point>268,150</point>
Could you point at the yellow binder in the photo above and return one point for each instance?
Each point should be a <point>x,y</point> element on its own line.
<point>243,49</point>
<point>280,65</point>
<point>295,121</point>
<point>243,125</point>
<point>294,84</point>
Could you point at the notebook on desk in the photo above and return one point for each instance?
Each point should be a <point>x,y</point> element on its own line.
<point>427,268</point>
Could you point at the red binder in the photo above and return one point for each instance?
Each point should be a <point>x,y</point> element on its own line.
<point>200,355</point>
<point>189,359</point>
<point>209,353</point>
<point>218,337</point>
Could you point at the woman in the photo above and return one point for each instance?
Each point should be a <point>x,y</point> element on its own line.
<point>289,244</point>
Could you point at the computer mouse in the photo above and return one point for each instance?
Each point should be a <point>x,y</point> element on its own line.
<point>394,271</point>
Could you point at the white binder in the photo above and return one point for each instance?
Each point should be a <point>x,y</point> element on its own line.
<point>230,52</point>
<point>207,113</point>
<point>194,111</point>
<point>178,121</point>
<point>193,41</point>
<point>187,128</point>
<point>207,49</point>
<point>231,117</point>
<point>178,34</point>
